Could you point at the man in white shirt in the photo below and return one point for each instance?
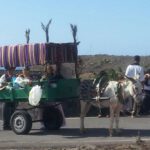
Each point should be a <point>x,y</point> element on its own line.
<point>134,70</point>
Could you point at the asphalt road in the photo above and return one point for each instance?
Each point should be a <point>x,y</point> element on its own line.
<point>96,133</point>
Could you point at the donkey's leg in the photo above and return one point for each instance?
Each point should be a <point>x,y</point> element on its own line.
<point>138,107</point>
<point>99,111</point>
<point>82,114</point>
<point>112,113</point>
<point>85,106</point>
<point>134,109</point>
<point>99,108</point>
<point>117,115</point>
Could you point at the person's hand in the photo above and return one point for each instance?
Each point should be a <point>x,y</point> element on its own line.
<point>147,75</point>
<point>30,83</point>
<point>5,84</point>
<point>20,75</point>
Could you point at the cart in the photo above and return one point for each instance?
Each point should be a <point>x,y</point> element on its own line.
<point>20,114</point>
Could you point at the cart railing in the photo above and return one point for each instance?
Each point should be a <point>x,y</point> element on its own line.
<point>61,90</point>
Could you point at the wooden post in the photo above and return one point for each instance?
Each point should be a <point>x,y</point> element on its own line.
<point>27,35</point>
<point>46,30</point>
<point>74,34</point>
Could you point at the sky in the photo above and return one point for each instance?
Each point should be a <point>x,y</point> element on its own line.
<point>113,27</point>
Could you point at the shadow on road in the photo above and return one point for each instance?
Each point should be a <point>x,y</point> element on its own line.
<point>91,132</point>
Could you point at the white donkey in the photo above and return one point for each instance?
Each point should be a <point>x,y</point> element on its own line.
<point>115,92</point>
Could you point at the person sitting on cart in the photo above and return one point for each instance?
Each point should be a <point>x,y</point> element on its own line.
<point>58,74</point>
<point>7,77</point>
<point>51,77</point>
<point>48,73</point>
<point>23,79</point>
<point>6,108</point>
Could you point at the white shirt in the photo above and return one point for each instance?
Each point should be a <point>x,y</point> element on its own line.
<point>2,79</point>
<point>133,71</point>
<point>21,81</point>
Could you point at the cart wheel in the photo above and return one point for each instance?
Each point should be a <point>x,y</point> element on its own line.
<point>52,118</point>
<point>21,122</point>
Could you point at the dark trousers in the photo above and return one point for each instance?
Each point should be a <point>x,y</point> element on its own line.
<point>6,110</point>
<point>145,109</point>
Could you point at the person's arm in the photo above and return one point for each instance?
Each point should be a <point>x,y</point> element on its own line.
<point>128,72</point>
<point>3,80</point>
<point>43,78</point>
<point>142,77</point>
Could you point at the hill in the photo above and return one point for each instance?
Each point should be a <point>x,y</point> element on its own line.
<point>96,63</point>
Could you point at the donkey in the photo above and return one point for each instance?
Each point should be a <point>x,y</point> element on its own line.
<point>114,94</point>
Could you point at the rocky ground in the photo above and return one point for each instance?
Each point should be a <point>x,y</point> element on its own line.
<point>125,146</point>
<point>111,147</point>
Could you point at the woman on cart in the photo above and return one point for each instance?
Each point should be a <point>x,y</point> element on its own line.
<point>23,79</point>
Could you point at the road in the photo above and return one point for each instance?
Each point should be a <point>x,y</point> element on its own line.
<point>96,133</point>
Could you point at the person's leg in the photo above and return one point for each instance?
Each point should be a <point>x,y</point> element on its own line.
<point>63,115</point>
<point>6,109</point>
<point>145,104</point>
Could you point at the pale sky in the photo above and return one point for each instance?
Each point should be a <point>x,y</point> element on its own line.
<point>115,27</point>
